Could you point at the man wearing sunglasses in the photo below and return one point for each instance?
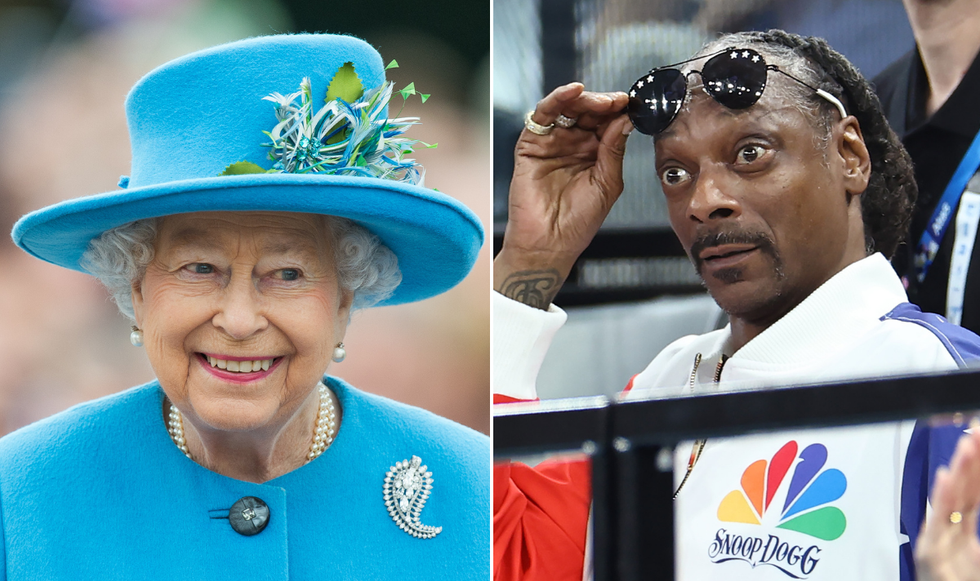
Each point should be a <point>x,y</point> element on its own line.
<point>789,192</point>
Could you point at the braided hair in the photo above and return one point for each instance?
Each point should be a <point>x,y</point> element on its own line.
<point>887,203</point>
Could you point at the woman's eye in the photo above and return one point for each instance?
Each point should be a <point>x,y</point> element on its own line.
<point>673,176</point>
<point>289,274</point>
<point>201,268</point>
<point>750,153</point>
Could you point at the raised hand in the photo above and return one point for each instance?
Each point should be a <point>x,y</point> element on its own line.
<point>564,184</point>
<point>948,548</point>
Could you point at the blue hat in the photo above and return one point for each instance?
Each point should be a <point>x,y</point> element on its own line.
<point>212,131</point>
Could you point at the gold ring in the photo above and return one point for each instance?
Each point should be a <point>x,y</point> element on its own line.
<point>956,517</point>
<point>537,128</point>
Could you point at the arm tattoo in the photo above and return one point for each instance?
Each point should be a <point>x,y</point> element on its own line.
<point>535,288</point>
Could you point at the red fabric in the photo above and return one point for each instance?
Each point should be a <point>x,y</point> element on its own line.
<point>629,385</point>
<point>498,398</point>
<point>540,518</point>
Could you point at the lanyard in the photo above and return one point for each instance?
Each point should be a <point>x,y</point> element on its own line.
<point>967,220</point>
<point>928,246</point>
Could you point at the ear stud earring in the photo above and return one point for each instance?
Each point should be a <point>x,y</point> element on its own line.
<point>136,337</point>
<point>339,353</point>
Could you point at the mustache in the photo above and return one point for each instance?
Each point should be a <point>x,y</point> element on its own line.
<point>709,239</point>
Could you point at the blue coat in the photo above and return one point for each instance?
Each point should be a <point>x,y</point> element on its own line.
<point>101,492</point>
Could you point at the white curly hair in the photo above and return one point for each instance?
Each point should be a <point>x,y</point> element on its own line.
<point>365,266</point>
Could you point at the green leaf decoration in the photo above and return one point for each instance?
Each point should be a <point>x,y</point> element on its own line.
<point>345,85</point>
<point>409,90</point>
<point>429,145</point>
<point>425,96</point>
<point>337,137</point>
<point>242,168</point>
<point>356,140</point>
<point>392,65</point>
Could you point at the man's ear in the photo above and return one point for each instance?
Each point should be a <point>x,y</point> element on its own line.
<point>855,156</point>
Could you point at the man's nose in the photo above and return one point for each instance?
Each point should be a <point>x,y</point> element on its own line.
<point>709,200</point>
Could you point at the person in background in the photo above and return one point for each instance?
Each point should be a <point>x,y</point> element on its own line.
<point>949,548</point>
<point>930,99</point>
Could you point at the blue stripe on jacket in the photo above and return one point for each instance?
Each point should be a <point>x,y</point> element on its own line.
<point>930,446</point>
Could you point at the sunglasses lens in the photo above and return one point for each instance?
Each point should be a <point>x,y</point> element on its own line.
<point>735,78</point>
<point>655,99</point>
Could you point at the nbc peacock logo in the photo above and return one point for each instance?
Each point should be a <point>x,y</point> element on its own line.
<point>791,492</point>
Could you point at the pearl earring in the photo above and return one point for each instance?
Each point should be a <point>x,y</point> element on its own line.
<point>339,353</point>
<point>136,337</point>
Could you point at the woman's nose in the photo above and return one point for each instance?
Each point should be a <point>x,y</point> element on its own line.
<point>240,313</point>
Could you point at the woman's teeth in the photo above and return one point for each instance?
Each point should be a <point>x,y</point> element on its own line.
<point>241,366</point>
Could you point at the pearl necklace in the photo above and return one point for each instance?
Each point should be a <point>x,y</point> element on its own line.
<point>323,434</point>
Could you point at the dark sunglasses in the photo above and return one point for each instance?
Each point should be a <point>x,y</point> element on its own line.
<point>735,77</point>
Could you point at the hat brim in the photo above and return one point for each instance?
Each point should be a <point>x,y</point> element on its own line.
<point>435,238</point>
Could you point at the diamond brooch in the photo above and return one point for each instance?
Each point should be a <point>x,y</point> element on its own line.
<point>407,486</point>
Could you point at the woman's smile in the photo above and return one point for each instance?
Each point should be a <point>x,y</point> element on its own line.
<point>238,369</point>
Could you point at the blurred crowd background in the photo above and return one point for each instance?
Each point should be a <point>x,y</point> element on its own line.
<point>65,69</point>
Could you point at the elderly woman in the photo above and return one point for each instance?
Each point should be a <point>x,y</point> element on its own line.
<point>240,257</point>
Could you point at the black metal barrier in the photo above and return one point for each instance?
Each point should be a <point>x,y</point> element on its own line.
<point>631,444</point>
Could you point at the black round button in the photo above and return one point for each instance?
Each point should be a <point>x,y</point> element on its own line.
<point>249,516</point>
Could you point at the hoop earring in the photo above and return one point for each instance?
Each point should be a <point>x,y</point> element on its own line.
<point>136,337</point>
<point>339,353</point>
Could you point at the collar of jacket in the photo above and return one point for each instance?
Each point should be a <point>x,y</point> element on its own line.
<point>848,304</point>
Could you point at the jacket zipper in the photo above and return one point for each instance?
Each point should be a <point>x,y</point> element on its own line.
<point>721,364</point>
<point>698,444</point>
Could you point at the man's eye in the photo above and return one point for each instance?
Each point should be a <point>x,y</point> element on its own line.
<point>750,153</point>
<point>673,176</point>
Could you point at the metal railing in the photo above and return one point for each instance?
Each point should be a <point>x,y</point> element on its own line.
<point>627,440</point>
